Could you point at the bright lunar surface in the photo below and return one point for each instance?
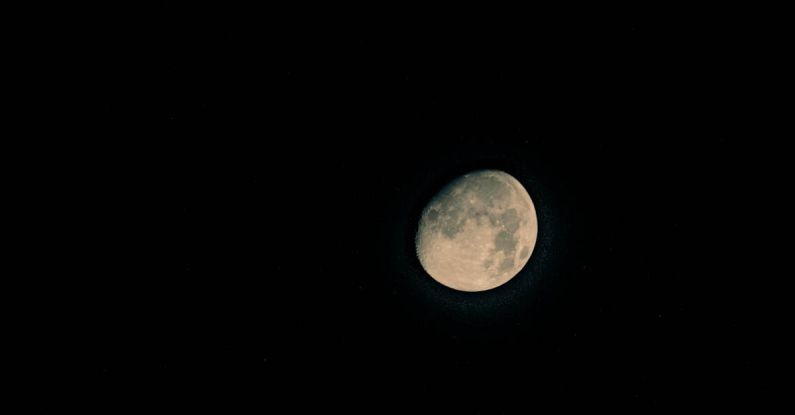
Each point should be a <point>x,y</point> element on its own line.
<point>478,232</point>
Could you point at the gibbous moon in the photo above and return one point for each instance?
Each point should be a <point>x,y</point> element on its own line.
<point>478,232</point>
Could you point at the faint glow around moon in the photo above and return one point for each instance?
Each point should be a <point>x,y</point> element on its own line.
<point>478,232</point>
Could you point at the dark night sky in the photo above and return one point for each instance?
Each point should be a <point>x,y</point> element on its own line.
<point>303,149</point>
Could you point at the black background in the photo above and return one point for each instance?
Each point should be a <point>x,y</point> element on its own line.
<point>303,149</point>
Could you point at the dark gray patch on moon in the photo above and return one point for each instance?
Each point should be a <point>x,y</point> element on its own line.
<point>449,222</point>
<point>510,220</point>
<point>453,224</point>
<point>505,242</point>
<point>525,252</point>
<point>506,264</point>
<point>433,215</point>
<point>488,189</point>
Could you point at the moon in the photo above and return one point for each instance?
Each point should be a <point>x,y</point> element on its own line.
<point>478,232</point>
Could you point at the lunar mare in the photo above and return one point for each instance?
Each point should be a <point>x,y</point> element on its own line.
<point>478,232</point>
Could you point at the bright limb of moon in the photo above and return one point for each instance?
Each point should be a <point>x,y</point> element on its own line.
<point>478,232</point>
